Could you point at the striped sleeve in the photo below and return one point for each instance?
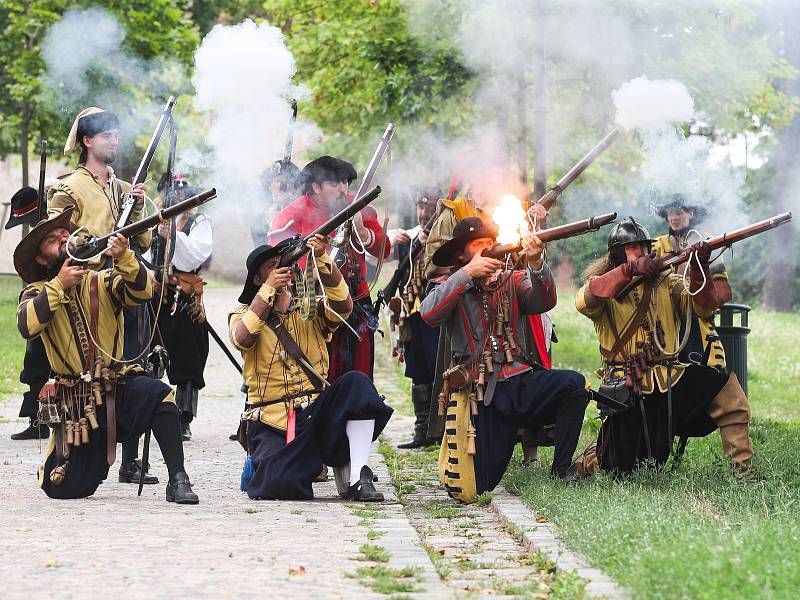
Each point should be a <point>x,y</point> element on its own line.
<point>129,281</point>
<point>246,323</point>
<point>37,305</point>
<point>340,304</point>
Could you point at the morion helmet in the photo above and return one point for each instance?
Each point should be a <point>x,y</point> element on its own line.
<point>624,233</point>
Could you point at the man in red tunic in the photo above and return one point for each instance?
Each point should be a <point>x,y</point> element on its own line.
<point>325,183</point>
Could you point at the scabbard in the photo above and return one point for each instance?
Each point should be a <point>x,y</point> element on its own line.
<point>145,461</point>
<point>491,385</point>
<point>111,424</point>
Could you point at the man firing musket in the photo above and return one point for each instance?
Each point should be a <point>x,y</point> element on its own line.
<point>648,396</point>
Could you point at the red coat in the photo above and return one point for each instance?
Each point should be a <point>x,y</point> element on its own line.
<point>307,215</point>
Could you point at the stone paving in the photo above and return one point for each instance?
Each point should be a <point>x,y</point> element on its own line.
<point>118,544</point>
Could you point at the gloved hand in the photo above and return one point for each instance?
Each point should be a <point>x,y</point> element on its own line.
<point>645,266</point>
<point>703,252</point>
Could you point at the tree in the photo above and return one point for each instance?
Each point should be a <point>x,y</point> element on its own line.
<point>156,29</point>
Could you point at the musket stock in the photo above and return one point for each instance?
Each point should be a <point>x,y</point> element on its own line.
<point>553,234</point>
<point>97,245</point>
<point>713,243</point>
<point>295,247</point>
<point>554,192</point>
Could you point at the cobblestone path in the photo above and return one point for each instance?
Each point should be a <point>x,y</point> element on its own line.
<point>116,544</point>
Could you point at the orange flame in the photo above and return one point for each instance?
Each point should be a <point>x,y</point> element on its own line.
<point>511,220</point>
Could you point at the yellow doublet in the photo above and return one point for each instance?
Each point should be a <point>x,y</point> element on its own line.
<point>97,206</point>
<point>47,309</point>
<point>666,244</point>
<point>269,372</point>
<point>670,300</point>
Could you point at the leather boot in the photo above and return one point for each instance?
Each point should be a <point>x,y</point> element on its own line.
<point>730,409</point>
<point>32,432</point>
<point>179,490</point>
<point>421,399</point>
<point>186,431</point>
<point>129,473</point>
<point>186,400</point>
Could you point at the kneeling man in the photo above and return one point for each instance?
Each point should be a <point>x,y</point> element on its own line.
<point>93,399</point>
<point>494,385</point>
<point>296,421</point>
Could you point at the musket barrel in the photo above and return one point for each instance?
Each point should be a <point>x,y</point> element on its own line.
<point>346,213</point>
<point>554,192</point>
<point>93,247</point>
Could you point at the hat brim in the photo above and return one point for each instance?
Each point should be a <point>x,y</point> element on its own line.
<point>447,254</point>
<point>699,212</point>
<point>28,248</point>
<point>28,219</point>
<point>250,289</point>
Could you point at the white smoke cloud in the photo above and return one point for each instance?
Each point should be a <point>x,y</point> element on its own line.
<point>645,104</point>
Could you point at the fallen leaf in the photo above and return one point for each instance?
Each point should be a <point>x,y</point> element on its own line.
<point>297,570</point>
<point>541,519</point>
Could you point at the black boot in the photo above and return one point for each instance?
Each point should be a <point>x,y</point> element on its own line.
<point>32,432</point>
<point>421,399</point>
<point>186,432</point>
<point>364,490</point>
<point>179,490</point>
<point>129,473</point>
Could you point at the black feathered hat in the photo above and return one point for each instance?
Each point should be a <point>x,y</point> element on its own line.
<point>680,201</point>
<point>471,228</point>
<point>24,207</point>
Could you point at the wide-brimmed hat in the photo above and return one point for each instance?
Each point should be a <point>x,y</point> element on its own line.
<point>28,249</point>
<point>254,261</point>
<point>24,207</point>
<point>680,201</point>
<point>471,228</point>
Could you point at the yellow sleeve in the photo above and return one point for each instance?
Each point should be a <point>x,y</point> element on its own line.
<point>37,305</point>
<point>339,301</point>
<point>583,308</point>
<point>130,282</point>
<point>58,200</point>
<point>441,232</point>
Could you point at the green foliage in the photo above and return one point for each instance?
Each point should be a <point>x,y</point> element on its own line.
<point>364,68</point>
<point>12,346</point>
<point>371,552</point>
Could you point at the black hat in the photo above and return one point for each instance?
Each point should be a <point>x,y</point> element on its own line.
<point>347,171</point>
<point>28,248</point>
<point>24,207</point>
<point>427,197</point>
<point>471,228</point>
<point>254,261</point>
<point>624,233</point>
<point>680,201</point>
<point>324,168</point>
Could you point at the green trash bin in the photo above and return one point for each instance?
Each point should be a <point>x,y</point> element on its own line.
<point>734,339</point>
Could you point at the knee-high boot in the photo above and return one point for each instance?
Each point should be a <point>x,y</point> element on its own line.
<point>730,409</point>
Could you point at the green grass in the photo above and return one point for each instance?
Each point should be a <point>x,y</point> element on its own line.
<point>696,532</point>
<point>385,580</point>
<point>12,346</point>
<point>373,553</point>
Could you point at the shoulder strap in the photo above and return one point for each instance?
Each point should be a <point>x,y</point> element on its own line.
<point>94,310</point>
<point>633,325</point>
<point>287,341</point>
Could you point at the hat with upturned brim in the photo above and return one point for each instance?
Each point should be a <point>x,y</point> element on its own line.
<point>467,230</point>
<point>28,248</point>
<point>254,261</point>
<point>24,207</point>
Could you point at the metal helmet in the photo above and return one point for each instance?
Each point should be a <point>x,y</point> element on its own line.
<point>624,233</point>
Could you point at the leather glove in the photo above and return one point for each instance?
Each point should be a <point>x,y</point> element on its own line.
<point>703,252</point>
<point>645,266</point>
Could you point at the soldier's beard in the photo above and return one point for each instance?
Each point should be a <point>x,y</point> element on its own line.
<point>53,270</point>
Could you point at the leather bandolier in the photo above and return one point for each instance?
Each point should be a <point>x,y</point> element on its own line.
<point>70,404</point>
<point>471,381</point>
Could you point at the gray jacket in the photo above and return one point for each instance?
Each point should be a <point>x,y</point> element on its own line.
<point>456,303</point>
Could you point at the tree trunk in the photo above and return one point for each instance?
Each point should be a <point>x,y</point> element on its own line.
<point>782,254</point>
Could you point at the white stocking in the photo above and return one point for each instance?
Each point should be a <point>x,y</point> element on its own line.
<point>359,434</point>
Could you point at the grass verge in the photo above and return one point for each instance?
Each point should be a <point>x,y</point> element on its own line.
<point>12,346</point>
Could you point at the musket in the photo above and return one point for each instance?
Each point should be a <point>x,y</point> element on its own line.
<point>377,156</point>
<point>553,234</point>
<point>713,243</point>
<point>42,205</point>
<point>554,192</point>
<point>141,173</point>
<point>295,247</point>
<point>417,246</point>
<point>287,152</point>
<point>95,246</point>
<point>170,195</point>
